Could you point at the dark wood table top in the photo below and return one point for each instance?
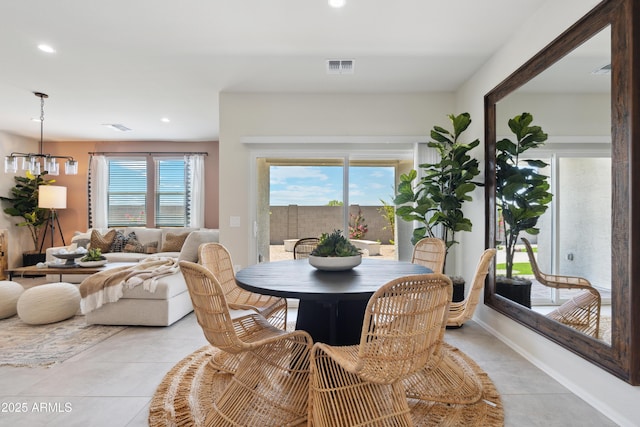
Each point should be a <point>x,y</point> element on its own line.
<point>297,279</point>
<point>33,269</point>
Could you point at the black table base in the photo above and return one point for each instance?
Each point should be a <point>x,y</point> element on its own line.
<point>344,320</point>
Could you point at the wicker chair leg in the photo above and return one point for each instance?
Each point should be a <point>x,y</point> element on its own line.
<point>270,387</point>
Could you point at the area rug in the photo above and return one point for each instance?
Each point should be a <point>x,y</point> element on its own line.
<point>45,345</point>
<point>190,389</point>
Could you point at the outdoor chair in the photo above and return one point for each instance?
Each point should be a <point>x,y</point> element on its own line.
<point>217,259</point>
<point>460,312</point>
<point>362,384</point>
<point>431,253</point>
<point>582,312</point>
<point>270,384</point>
<point>304,247</point>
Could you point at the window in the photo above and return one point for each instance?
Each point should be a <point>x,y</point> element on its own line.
<point>135,189</point>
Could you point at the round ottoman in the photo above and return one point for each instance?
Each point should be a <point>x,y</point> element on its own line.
<point>9,293</point>
<point>48,303</point>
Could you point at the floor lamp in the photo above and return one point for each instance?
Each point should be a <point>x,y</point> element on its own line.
<point>52,197</point>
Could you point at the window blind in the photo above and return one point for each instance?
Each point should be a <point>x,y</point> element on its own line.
<point>127,192</point>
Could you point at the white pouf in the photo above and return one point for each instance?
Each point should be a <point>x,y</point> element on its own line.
<point>49,303</point>
<point>9,294</point>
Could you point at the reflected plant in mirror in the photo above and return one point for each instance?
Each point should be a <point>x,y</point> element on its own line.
<point>522,193</point>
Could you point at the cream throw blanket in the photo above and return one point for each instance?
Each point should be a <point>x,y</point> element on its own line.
<point>107,286</point>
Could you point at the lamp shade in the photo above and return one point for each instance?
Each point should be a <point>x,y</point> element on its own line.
<point>52,197</point>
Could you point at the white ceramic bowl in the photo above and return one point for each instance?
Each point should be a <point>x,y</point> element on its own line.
<point>99,263</point>
<point>334,263</point>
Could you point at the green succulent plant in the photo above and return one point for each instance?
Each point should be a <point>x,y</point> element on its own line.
<point>334,245</point>
<point>94,254</point>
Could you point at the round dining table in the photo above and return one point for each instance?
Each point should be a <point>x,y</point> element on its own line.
<point>332,303</point>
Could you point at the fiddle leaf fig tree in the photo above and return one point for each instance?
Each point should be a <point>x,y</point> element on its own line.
<point>522,193</point>
<point>436,199</point>
<point>24,204</point>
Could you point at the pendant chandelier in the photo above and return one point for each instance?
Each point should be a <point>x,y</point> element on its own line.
<point>38,163</point>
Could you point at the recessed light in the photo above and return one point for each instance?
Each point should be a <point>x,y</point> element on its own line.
<point>46,48</point>
<point>337,3</point>
<point>165,120</point>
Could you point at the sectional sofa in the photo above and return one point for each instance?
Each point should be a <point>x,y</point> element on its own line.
<point>170,301</point>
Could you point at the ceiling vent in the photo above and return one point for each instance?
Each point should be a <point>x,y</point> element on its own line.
<point>605,69</point>
<point>116,126</point>
<point>340,66</point>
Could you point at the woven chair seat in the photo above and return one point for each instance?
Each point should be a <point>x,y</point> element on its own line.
<point>362,384</point>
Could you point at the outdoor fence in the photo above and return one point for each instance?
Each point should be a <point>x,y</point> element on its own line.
<point>295,222</point>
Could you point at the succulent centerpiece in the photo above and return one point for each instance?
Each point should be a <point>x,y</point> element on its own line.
<point>335,253</point>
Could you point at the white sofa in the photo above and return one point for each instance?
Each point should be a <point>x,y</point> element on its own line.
<point>170,301</point>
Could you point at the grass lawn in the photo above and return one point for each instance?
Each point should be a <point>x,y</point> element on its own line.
<point>519,269</point>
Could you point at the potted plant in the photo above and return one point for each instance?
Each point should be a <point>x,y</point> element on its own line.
<point>335,252</point>
<point>24,204</point>
<point>522,195</point>
<point>436,200</point>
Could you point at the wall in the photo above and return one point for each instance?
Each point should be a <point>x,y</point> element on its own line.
<point>615,398</point>
<point>277,114</point>
<point>74,217</point>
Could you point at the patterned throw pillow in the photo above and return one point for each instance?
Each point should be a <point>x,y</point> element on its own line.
<point>173,242</point>
<point>102,242</point>
<point>134,245</point>
<point>120,241</point>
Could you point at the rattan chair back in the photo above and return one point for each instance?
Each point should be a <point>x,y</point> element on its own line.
<point>431,253</point>
<point>303,247</point>
<point>460,312</point>
<point>217,259</point>
<point>582,312</point>
<point>403,324</point>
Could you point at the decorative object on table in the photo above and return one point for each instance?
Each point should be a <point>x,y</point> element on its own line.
<point>70,258</point>
<point>22,343</point>
<point>436,199</point>
<point>93,258</point>
<point>522,196</point>
<point>189,389</point>
<point>335,253</point>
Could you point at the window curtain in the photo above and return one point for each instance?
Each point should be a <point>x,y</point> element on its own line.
<point>195,190</point>
<point>98,182</point>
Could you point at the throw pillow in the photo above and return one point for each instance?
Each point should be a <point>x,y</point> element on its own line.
<point>134,245</point>
<point>102,242</point>
<point>120,241</point>
<point>190,248</point>
<point>174,242</point>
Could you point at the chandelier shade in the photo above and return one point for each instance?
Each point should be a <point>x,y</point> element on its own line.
<point>38,163</point>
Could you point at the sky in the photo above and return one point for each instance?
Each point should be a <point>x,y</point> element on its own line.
<point>318,185</point>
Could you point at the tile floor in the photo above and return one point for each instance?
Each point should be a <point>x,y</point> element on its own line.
<point>111,383</point>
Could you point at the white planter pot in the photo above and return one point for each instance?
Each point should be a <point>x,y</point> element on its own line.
<point>331,263</point>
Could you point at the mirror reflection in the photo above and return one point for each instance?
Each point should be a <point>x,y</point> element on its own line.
<point>571,101</point>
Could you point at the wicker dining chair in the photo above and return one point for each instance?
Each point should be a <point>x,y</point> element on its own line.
<point>582,312</point>
<point>460,312</point>
<point>216,258</point>
<point>431,253</point>
<point>270,384</point>
<point>362,384</point>
<point>304,247</point>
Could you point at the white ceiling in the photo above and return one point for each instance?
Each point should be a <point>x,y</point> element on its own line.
<point>133,62</point>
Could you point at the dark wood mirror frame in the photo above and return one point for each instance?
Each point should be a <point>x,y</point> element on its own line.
<point>622,358</point>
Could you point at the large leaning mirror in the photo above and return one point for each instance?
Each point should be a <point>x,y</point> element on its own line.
<point>580,89</point>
